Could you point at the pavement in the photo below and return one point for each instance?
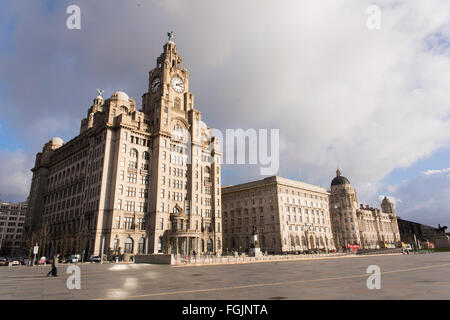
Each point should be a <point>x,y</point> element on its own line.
<point>415,276</point>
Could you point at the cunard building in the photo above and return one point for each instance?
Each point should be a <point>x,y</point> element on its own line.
<point>134,180</point>
<point>287,215</point>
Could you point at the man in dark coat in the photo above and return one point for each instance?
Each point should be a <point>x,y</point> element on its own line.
<point>55,263</point>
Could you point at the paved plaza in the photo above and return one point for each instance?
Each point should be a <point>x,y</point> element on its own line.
<point>419,276</point>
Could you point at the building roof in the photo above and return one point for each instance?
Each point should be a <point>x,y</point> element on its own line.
<point>120,95</point>
<point>273,180</point>
<point>339,179</point>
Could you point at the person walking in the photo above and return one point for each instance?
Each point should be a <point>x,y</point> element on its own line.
<point>55,263</point>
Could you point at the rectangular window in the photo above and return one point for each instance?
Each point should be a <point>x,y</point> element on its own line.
<point>141,224</point>
<point>132,177</point>
<point>128,223</point>
<point>143,193</point>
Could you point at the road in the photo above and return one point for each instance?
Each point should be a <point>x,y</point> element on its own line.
<point>420,276</point>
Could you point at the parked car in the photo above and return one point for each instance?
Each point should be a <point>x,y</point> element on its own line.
<point>3,261</point>
<point>74,258</point>
<point>49,261</point>
<point>15,261</point>
<point>63,260</point>
<point>94,258</point>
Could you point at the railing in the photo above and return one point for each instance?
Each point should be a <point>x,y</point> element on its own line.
<point>213,259</point>
<point>379,251</point>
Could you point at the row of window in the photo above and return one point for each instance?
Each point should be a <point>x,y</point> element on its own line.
<point>128,205</point>
<point>137,140</point>
<point>128,223</point>
<point>132,178</point>
<point>131,192</point>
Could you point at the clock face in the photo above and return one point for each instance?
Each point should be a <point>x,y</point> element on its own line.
<point>156,84</point>
<point>177,84</point>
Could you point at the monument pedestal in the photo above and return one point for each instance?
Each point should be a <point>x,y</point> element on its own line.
<point>442,241</point>
<point>255,252</point>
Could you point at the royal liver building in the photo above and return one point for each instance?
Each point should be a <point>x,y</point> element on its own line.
<point>133,181</point>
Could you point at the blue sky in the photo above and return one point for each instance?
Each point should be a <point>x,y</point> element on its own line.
<point>373,102</point>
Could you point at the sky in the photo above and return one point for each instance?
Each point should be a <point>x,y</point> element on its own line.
<point>373,102</point>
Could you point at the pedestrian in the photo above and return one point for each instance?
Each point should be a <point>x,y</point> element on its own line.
<point>55,263</point>
<point>193,252</point>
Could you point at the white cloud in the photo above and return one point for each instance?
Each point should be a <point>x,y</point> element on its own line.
<point>425,198</point>
<point>430,172</point>
<point>15,175</point>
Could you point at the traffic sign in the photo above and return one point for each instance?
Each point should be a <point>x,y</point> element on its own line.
<point>35,250</point>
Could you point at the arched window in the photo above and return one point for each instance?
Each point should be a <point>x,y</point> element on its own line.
<point>133,153</point>
<point>128,245</point>
<point>124,109</point>
<point>141,245</point>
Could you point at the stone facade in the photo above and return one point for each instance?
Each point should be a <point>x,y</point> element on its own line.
<point>12,220</point>
<point>133,181</point>
<point>355,224</point>
<point>288,216</point>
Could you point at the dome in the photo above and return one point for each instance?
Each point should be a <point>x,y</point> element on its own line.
<point>57,141</point>
<point>386,200</point>
<point>339,180</point>
<point>120,95</point>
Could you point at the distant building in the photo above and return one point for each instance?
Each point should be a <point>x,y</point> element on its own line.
<point>12,219</point>
<point>355,224</point>
<point>416,233</point>
<point>288,216</point>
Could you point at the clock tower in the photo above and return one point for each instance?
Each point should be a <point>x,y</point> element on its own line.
<point>184,196</point>
<point>168,83</point>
